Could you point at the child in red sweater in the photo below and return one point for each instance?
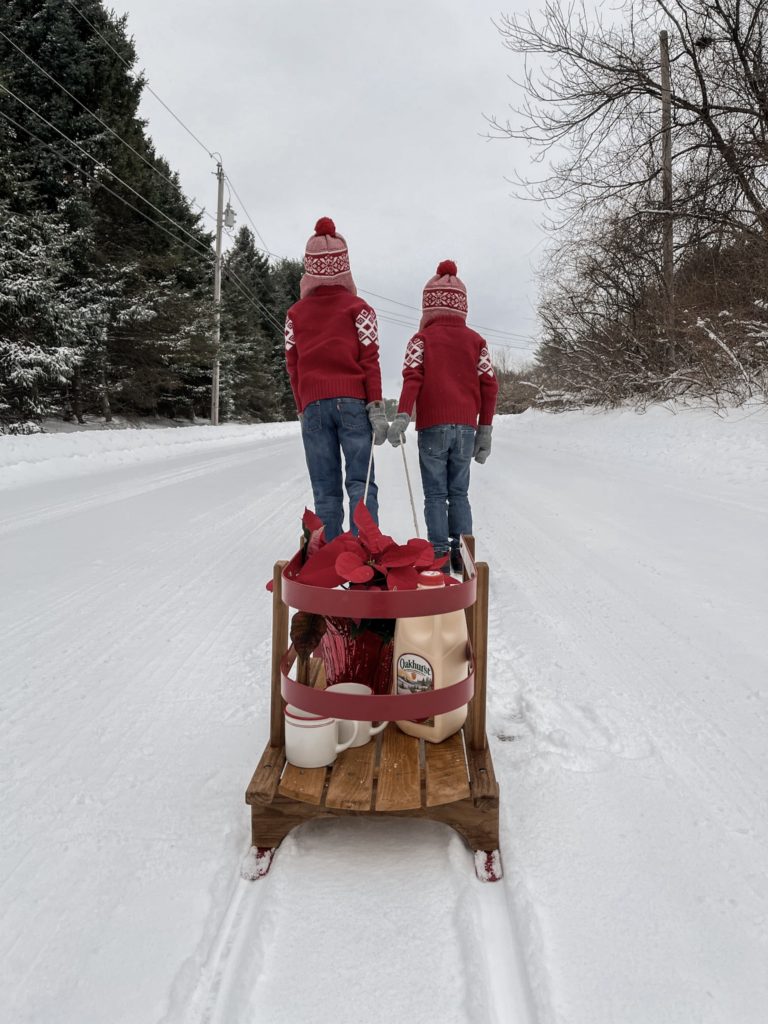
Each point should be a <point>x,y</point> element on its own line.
<point>332,355</point>
<point>448,375</point>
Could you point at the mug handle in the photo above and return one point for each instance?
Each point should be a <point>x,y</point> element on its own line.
<point>376,729</point>
<point>350,741</point>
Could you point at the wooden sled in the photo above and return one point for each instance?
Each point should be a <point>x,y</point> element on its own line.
<point>393,775</point>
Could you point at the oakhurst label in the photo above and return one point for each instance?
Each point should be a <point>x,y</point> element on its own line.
<point>414,674</point>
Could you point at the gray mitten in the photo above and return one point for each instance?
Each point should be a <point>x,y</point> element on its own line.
<point>378,419</point>
<point>398,427</point>
<point>482,444</point>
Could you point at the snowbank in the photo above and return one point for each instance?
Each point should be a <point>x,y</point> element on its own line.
<point>39,457</point>
<point>731,445</point>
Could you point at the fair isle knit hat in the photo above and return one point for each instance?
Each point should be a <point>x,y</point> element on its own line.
<point>444,295</point>
<point>326,260</point>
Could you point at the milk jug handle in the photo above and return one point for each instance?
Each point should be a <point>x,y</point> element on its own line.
<point>376,729</point>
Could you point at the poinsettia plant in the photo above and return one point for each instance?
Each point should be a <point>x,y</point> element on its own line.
<point>371,558</point>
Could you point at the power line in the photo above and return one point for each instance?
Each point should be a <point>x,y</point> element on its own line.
<point>257,302</point>
<point>402,321</point>
<point>100,164</point>
<point>250,218</point>
<point>198,252</point>
<point>239,284</point>
<point>95,116</point>
<point>392,316</point>
<point>120,57</point>
<point>210,153</point>
<point>387,299</point>
<point>477,327</point>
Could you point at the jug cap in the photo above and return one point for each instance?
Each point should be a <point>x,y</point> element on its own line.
<point>431,578</point>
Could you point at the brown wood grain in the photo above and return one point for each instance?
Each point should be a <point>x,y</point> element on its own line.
<point>446,771</point>
<point>399,783</point>
<point>304,784</point>
<point>351,785</point>
<point>317,673</point>
<point>279,647</point>
<point>477,737</point>
<point>478,826</point>
<point>470,614</point>
<point>263,785</point>
<point>482,778</point>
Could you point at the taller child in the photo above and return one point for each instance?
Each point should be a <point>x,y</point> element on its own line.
<point>332,354</point>
<point>448,375</point>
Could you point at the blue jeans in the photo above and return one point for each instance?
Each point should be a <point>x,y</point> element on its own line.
<point>332,426</point>
<point>445,453</point>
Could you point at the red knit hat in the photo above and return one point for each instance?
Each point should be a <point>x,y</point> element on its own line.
<point>326,260</point>
<point>444,295</point>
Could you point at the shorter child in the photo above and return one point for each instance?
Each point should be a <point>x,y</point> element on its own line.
<point>448,376</point>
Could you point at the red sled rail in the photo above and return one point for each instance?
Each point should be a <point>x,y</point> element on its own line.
<point>377,604</point>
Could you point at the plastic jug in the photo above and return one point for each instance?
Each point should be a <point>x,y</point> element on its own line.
<point>430,653</point>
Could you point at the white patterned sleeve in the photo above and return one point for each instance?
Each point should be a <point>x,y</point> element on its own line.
<point>484,364</point>
<point>489,385</point>
<point>368,337</point>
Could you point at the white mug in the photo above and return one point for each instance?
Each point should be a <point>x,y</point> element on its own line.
<point>311,741</point>
<point>364,729</point>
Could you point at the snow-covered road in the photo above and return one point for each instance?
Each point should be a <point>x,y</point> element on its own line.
<point>628,718</point>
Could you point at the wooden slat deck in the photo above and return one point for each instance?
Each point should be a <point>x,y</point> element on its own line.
<point>352,776</point>
<point>389,774</point>
<point>446,772</point>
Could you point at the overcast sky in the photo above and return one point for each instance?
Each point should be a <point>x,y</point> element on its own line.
<point>370,113</point>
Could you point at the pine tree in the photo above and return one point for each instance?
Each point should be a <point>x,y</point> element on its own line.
<point>144,283</point>
<point>248,385</point>
<point>285,277</point>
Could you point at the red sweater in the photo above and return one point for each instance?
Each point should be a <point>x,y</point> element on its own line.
<point>448,373</point>
<point>332,347</point>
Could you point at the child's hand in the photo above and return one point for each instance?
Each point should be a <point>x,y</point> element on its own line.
<point>396,434</point>
<point>378,419</point>
<point>482,444</point>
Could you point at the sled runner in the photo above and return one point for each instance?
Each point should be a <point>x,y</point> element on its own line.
<point>393,775</point>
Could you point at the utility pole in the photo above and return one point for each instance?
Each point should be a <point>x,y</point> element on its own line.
<point>666,181</point>
<point>217,297</point>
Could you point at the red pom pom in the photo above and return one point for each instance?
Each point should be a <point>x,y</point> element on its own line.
<point>447,267</point>
<point>325,226</point>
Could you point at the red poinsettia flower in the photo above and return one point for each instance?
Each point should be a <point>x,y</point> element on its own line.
<point>371,537</point>
<point>313,532</point>
<point>320,570</point>
<point>371,557</point>
<point>352,567</point>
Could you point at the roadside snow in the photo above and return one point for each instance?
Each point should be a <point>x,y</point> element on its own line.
<point>36,458</point>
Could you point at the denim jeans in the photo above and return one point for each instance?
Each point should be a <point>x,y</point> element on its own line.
<point>329,427</point>
<point>445,453</point>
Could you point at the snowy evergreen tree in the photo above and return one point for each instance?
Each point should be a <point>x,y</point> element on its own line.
<point>146,343</point>
<point>285,277</point>
<point>247,334</point>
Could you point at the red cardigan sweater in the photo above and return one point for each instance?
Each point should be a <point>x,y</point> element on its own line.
<point>448,374</point>
<point>332,347</point>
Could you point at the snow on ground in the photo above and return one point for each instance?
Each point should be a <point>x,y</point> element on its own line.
<point>37,458</point>
<point>627,718</point>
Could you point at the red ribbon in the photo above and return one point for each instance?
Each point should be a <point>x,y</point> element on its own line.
<point>375,707</point>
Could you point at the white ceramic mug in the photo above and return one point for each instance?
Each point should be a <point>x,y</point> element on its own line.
<point>364,729</point>
<point>312,741</point>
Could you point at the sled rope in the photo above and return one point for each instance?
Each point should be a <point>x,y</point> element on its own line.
<point>410,490</point>
<point>368,476</point>
<point>407,480</point>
